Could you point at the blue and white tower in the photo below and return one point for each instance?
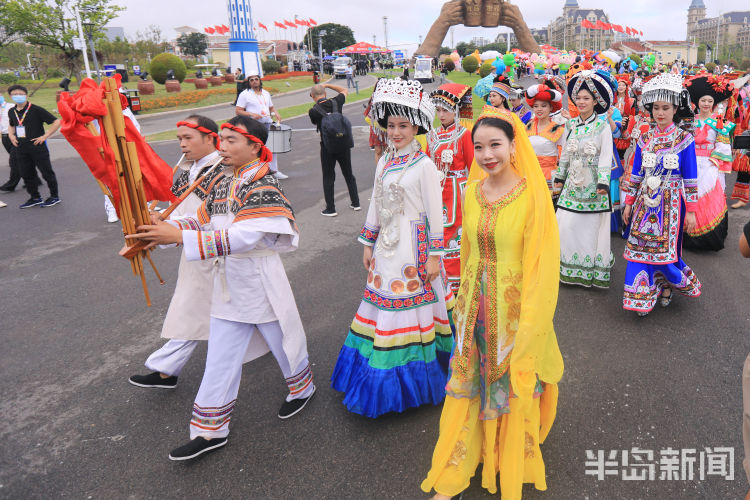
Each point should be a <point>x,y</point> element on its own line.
<point>243,45</point>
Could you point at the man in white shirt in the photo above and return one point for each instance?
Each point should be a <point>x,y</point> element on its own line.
<point>257,104</point>
<point>15,173</point>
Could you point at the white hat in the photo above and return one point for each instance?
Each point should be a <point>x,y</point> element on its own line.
<point>398,97</point>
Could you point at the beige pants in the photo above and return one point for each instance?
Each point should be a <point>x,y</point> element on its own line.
<point>746,415</point>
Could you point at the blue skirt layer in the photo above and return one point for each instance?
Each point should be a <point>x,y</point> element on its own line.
<point>372,392</point>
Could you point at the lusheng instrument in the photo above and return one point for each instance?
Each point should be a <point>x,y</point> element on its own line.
<point>133,207</point>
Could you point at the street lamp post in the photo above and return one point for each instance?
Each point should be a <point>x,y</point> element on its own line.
<point>89,26</point>
<point>385,30</point>
<point>321,34</point>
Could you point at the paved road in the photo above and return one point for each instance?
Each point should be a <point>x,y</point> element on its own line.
<point>75,326</point>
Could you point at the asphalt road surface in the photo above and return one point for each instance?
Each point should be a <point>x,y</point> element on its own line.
<point>75,326</point>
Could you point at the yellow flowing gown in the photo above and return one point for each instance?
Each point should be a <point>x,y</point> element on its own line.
<point>502,395</point>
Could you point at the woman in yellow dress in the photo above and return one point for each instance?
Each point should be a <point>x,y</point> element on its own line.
<point>501,397</point>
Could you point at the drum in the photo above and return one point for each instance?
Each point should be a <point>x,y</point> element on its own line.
<point>279,138</point>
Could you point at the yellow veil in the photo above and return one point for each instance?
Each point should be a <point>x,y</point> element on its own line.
<point>535,350</point>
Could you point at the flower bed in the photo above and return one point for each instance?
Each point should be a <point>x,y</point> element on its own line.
<point>188,97</point>
<point>287,75</point>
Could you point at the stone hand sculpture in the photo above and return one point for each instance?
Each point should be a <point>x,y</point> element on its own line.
<point>486,13</point>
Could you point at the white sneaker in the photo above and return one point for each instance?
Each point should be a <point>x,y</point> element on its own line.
<point>2,204</point>
<point>280,175</point>
<point>112,215</point>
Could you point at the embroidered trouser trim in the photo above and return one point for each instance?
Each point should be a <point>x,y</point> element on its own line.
<point>742,187</point>
<point>227,346</point>
<point>170,358</point>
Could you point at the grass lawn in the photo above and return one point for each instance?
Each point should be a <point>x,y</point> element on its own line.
<point>286,113</point>
<point>46,97</point>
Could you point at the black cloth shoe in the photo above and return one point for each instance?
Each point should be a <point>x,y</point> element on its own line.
<point>196,448</point>
<point>51,201</point>
<point>31,202</point>
<point>291,408</point>
<point>328,212</point>
<point>153,380</point>
<point>7,189</point>
<point>354,207</point>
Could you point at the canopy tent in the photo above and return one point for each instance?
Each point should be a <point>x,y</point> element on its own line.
<point>362,48</point>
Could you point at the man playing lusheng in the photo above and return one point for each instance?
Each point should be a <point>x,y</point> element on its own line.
<point>241,227</point>
<point>188,316</point>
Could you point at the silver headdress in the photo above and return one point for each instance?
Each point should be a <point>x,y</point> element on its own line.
<point>398,97</point>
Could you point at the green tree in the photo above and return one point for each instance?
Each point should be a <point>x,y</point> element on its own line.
<point>51,23</point>
<point>464,48</point>
<point>148,42</point>
<point>337,36</point>
<point>701,52</point>
<point>11,23</point>
<point>193,44</point>
<point>444,50</point>
<point>470,64</point>
<point>163,63</point>
<point>115,51</point>
<point>486,68</point>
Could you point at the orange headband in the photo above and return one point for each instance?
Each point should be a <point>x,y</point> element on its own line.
<point>265,153</point>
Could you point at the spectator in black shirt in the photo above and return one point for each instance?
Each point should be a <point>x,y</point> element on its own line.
<point>27,133</point>
<point>328,159</point>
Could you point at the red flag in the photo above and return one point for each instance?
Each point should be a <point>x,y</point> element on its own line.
<point>300,22</point>
<point>210,31</point>
<point>205,29</point>
<point>290,24</point>
<point>261,25</point>
<point>279,25</point>
<point>588,24</point>
<point>219,29</point>
<point>85,106</point>
<point>226,28</point>
<point>312,21</point>
<point>602,25</point>
<point>627,30</point>
<point>618,28</point>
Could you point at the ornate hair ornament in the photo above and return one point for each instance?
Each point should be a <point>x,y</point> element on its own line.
<point>599,83</point>
<point>398,97</point>
<point>545,93</point>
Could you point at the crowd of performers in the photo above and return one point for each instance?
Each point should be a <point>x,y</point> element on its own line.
<point>471,228</point>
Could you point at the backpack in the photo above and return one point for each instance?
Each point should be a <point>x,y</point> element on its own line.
<point>335,130</point>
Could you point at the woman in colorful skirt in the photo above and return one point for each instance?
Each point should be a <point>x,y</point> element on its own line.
<point>664,168</point>
<point>583,175</point>
<point>714,157</point>
<point>450,148</point>
<point>397,350</point>
<point>502,394</point>
<point>741,163</point>
<point>546,136</point>
<point>627,107</point>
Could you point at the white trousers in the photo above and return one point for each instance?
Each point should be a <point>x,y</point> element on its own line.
<point>217,395</point>
<point>171,357</point>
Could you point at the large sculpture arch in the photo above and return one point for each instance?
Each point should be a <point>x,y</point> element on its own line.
<point>485,13</point>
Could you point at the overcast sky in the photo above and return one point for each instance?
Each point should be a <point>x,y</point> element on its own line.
<point>408,19</point>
